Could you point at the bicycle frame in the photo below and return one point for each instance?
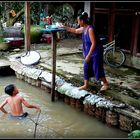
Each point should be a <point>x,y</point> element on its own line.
<point>110,48</point>
<point>109,45</point>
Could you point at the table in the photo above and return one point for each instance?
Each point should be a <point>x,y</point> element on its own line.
<point>53,31</point>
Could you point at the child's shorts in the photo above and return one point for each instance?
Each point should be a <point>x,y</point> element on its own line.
<point>24,115</point>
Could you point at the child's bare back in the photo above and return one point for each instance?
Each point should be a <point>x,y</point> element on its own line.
<point>15,103</point>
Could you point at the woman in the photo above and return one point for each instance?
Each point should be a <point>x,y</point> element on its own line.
<point>92,50</point>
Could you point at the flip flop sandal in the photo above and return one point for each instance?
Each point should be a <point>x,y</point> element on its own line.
<point>104,88</point>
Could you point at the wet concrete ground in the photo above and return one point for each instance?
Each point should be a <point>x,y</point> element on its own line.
<point>70,61</point>
<point>69,64</point>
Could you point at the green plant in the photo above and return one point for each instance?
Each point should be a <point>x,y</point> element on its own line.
<point>35,34</point>
<point>1,39</point>
<point>3,46</point>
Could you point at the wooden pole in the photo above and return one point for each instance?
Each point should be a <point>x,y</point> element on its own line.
<point>111,23</point>
<point>53,65</point>
<point>27,26</point>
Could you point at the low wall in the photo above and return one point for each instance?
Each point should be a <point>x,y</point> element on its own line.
<point>112,113</point>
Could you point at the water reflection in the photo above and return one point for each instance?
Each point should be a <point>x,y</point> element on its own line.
<point>57,119</point>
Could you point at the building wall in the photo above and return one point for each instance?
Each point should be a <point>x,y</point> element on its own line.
<point>132,61</point>
<point>120,20</point>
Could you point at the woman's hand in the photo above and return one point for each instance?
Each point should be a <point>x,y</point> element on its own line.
<point>61,26</point>
<point>87,59</point>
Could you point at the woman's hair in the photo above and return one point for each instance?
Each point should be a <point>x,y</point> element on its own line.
<point>9,89</point>
<point>84,16</point>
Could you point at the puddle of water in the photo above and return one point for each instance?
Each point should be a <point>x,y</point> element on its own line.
<point>57,119</point>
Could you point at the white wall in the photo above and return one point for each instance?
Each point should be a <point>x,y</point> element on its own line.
<point>87,8</point>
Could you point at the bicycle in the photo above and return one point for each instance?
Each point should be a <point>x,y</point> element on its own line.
<point>113,55</point>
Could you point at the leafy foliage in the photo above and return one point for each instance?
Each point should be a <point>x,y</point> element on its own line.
<point>5,7</point>
<point>35,33</point>
<point>63,13</point>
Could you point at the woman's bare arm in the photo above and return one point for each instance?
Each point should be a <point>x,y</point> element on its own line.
<point>72,30</point>
<point>93,43</point>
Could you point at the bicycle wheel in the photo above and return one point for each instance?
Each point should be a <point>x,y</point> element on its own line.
<point>114,58</point>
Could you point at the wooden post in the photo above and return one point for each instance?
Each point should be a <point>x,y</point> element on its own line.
<point>53,45</point>
<point>135,33</point>
<point>111,23</point>
<point>54,64</point>
<point>27,26</point>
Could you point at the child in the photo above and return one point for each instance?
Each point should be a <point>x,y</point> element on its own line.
<point>15,102</point>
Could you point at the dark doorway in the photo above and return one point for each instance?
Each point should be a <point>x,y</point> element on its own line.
<point>123,28</point>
